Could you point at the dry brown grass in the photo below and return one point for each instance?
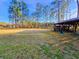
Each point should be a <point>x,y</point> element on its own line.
<point>13,31</point>
<point>10,31</point>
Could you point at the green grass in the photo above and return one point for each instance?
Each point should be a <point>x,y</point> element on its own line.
<point>22,52</point>
<point>35,47</point>
<point>38,52</point>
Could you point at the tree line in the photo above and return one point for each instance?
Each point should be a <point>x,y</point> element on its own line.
<point>56,11</point>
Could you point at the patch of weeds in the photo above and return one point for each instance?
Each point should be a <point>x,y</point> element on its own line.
<point>58,54</point>
<point>47,50</point>
<point>53,54</point>
<point>70,52</point>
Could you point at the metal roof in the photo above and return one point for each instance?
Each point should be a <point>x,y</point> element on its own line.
<point>70,21</point>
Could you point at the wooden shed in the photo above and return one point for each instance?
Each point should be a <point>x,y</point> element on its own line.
<point>66,25</point>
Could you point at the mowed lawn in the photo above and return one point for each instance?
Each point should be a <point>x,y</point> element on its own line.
<point>38,44</point>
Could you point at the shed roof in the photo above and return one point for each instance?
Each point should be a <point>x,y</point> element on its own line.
<point>70,21</point>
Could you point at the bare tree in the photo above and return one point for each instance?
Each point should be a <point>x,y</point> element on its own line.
<point>78,8</point>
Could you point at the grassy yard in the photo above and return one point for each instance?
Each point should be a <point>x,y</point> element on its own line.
<point>38,44</point>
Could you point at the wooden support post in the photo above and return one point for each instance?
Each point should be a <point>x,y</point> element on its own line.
<point>75,27</point>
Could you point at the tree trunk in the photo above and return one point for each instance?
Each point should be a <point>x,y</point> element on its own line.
<point>78,8</point>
